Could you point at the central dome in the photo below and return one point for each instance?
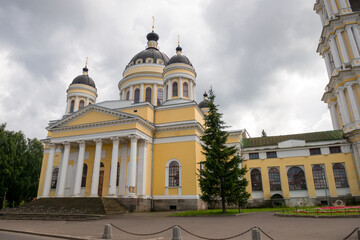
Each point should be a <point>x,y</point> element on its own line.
<point>151,54</point>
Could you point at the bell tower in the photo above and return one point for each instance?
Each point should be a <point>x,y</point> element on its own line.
<point>339,46</point>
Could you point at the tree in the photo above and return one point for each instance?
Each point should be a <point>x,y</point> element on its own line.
<point>20,165</point>
<point>221,175</point>
<point>263,133</point>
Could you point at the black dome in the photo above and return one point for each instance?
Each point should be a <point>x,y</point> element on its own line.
<point>178,58</point>
<point>84,79</point>
<point>204,104</point>
<point>150,53</point>
<point>152,36</point>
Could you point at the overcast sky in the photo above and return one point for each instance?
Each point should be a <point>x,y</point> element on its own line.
<point>259,56</point>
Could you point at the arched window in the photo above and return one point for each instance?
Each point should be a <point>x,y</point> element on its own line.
<point>81,104</point>
<point>128,95</point>
<point>274,179</point>
<point>256,183</point>
<point>72,105</point>
<point>185,89</point>
<point>84,174</point>
<point>319,177</point>
<point>159,96</point>
<point>340,175</point>
<point>296,178</point>
<point>102,164</point>
<point>54,177</point>
<point>117,174</point>
<point>137,96</point>
<point>175,89</point>
<point>148,94</point>
<point>174,174</point>
<point>167,91</point>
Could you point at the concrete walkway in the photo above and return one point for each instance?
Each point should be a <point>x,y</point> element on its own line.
<point>211,227</point>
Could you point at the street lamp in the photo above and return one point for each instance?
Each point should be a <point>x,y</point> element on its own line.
<point>326,187</point>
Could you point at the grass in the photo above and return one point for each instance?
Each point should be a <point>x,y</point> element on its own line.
<point>219,212</point>
<point>310,211</point>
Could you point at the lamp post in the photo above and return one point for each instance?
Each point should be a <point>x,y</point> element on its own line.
<point>326,187</point>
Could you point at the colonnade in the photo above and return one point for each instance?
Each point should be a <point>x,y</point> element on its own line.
<point>135,170</point>
<point>348,105</point>
<point>339,54</point>
<point>154,93</point>
<point>169,89</point>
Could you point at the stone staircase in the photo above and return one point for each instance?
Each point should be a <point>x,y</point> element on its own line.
<point>65,209</point>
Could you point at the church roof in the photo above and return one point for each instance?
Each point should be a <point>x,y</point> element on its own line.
<point>307,137</point>
<point>84,79</point>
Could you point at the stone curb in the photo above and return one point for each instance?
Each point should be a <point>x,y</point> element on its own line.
<point>316,216</point>
<point>45,234</point>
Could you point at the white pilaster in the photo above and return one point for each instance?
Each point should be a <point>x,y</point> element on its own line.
<point>170,90</point>
<point>76,108</point>
<point>96,169</point>
<point>328,8</point>
<point>344,52</point>
<point>141,173</point>
<point>353,102</point>
<point>352,42</point>
<point>343,107</point>
<point>344,5</point>
<point>180,87</point>
<point>335,52</point>
<point>131,93</point>
<point>334,118</point>
<point>63,170</point>
<point>356,35</point>
<point>113,169</point>
<point>49,169</point>
<point>334,7</point>
<point>123,168</point>
<point>131,174</point>
<point>154,100</point>
<point>142,93</point>
<point>356,146</point>
<point>328,64</point>
<point>79,169</point>
<point>191,90</point>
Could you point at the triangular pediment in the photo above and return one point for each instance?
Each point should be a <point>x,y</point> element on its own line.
<point>92,114</point>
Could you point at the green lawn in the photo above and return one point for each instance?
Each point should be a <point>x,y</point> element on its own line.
<point>219,212</point>
<point>305,211</point>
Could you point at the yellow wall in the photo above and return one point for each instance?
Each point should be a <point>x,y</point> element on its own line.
<point>307,163</point>
<point>92,117</point>
<point>143,69</point>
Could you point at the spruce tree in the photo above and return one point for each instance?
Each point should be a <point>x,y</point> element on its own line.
<point>221,175</point>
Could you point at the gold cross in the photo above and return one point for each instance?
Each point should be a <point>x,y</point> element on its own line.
<point>178,40</point>
<point>86,63</point>
<point>153,23</point>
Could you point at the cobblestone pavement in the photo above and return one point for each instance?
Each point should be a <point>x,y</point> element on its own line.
<point>211,226</point>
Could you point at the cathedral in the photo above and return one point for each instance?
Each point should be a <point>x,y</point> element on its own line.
<point>144,149</point>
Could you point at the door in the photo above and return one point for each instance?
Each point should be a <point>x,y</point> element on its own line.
<point>101,181</point>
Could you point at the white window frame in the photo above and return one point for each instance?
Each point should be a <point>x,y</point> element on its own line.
<point>167,177</point>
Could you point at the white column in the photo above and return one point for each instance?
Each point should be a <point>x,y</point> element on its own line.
<point>142,93</point>
<point>113,169</point>
<point>352,42</point>
<point>123,168</point>
<point>343,107</point>
<point>335,52</point>
<point>79,169</point>
<point>356,35</point>
<point>191,90</point>
<point>67,110</point>
<point>194,92</point>
<point>49,169</point>
<point>154,100</point>
<point>334,118</point>
<point>180,87</point>
<point>170,90</point>
<point>131,93</point>
<point>344,5</point>
<point>76,107</point>
<point>328,8</point>
<point>96,169</point>
<point>131,174</point>
<point>63,170</point>
<point>342,46</point>
<point>141,183</point>
<point>328,64</point>
<point>353,102</point>
<point>334,7</point>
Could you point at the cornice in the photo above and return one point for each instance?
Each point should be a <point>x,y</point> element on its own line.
<point>149,75</point>
<point>170,68</point>
<point>82,88</point>
<point>179,126</point>
<point>176,75</point>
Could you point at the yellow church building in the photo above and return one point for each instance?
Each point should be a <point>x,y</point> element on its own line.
<point>144,149</point>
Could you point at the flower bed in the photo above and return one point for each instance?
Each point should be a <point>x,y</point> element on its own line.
<point>330,210</point>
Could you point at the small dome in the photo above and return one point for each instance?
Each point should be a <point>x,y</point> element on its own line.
<point>84,79</point>
<point>205,102</point>
<point>152,36</point>
<point>179,58</point>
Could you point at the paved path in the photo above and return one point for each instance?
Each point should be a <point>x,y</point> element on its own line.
<point>212,227</point>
